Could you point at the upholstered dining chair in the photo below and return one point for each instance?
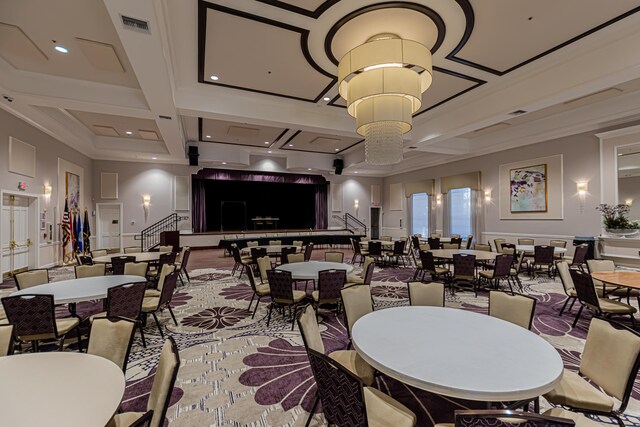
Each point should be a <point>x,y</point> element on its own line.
<point>482,247</point>
<point>98,252</point>
<point>7,339</point>
<point>497,243</point>
<point>151,305</point>
<point>82,271</point>
<point>283,294</point>
<point>240,262</point>
<point>112,338</point>
<point>501,271</point>
<point>330,282</point>
<point>264,265</point>
<point>334,256</point>
<point>161,390</point>
<point>469,241</point>
<point>118,262</point>
<point>450,246</point>
<point>506,418</point>
<point>125,301</point>
<point>464,270</point>
<point>132,250</point>
<point>136,268</point>
<point>580,256</point>
<point>426,294</point>
<point>428,265</point>
<point>526,241</point>
<point>360,279</point>
<point>275,242</point>
<point>164,259</point>
<point>514,272</point>
<point>261,290</point>
<point>434,243</point>
<point>308,251</point>
<point>84,259</point>
<point>375,250</point>
<point>155,292</point>
<point>346,402</point>
<point>542,258</point>
<point>579,419</point>
<point>31,278</point>
<point>567,285</point>
<point>298,243</point>
<point>257,253</point>
<point>604,265</point>
<point>558,244</point>
<point>182,262</point>
<point>515,308</point>
<point>252,243</point>
<point>293,258</point>
<point>456,241</point>
<point>435,235</point>
<point>357,251</point>
<point>165,249</point>
<point>35,320</point>
<point>587,295</point>
<point>284,254</point>
<point>610,361</point>
<point>357,301</point>
<point>504,246</point>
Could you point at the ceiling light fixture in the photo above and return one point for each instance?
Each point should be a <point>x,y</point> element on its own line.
<point>208,136</point>
<point>290,145</point>
<point>214,78</point>
<point>326,98</point>
<point>309,169</point>
<point>154,158</point>
<point>336,149</point>
<point>269,151</point>
<point>382,82</point>
<point>129,132</point>
<point>266,142</point>
<point>61,49</point>
<point>224,163</point>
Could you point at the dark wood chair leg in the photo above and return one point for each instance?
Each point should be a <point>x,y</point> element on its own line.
<point>173,316</point>
<point>155,317</point>
<point>577,316</point>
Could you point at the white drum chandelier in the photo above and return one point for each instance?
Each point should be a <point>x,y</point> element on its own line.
<point>382,82</point>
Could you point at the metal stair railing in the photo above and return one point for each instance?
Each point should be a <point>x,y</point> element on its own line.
<point>150,236</point>
<point>353,224</point>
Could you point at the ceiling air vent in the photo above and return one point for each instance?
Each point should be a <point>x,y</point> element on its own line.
<point>135,24</point>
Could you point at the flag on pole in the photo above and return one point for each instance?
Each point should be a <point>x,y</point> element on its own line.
<point>86,233</point>
<point>79,237</point>
<point>73,223</point>
<point>67,248</point>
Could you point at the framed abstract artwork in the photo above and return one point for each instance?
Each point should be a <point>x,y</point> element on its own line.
<point>528,189</point>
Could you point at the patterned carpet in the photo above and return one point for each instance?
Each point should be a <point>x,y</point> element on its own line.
<point>236,371</point>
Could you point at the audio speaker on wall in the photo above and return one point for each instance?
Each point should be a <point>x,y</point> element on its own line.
<point>338,164</point>
<point>193,155</point>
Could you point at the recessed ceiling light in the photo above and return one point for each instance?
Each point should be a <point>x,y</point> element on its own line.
<point>356,172</point>
<point>61,49</point>
<point>224,163</point>
<point>337,149</point>
<point>129,132</point>
<point>309,169</point>
<point>326,98</point>
<point>290,145</point>
<point>269,151</point>
<point>208,136</point>
<point>214,78</point>
<point>154,158</point>
<point>266,142</point>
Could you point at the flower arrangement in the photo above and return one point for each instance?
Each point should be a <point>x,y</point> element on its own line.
<point>614,217</point>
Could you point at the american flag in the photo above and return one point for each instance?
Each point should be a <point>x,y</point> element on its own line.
<point>67,245</point>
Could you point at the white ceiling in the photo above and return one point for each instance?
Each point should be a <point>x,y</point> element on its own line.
<point>571,66</point>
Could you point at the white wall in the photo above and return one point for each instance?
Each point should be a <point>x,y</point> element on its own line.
<point>48,150</point>
<point>581,163</point>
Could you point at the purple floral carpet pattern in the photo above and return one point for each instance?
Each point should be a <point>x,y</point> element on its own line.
<point>237,371</point>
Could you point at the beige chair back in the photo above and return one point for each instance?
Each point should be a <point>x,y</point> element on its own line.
<point>565,276</point>
<point>137,268</point>
<point>367,260</point>
<point>264,265</point>
<point>426,294</point>
<point>132,250</point>
<point>558,243</point>
<point>163,382</point>
<point>597,265</point>
<point>435,235</point>
<point>181,254</point>
<point>357,302</point>
<point>386,238</point>
<point>609,357</point>
<point>308,324</point>
<point>275,242</point>
<point>31,278</point>
<point>111,339</point>
<point>164,249</point>
<point>252,244</point>
<point>450,246</point>
<point>298,243</point>
<point>508,251</point>
<point>526,241</point>
<point>166,270</point>
<point>498,244</point>
<point>454,236</point>
<point>90,270</point>
<point>6,340</point>
<point>364,239</point>
<point>334,256</point>
<point>293,258</point>
<point>517,309</point>
<point>482,247</point>
<point>98,252</point>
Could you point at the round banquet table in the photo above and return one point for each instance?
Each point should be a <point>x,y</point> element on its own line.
<point>448,253</point>
<point>309,270</point>
<point>531,248</point>
<point>458,353</point>
<point>140,257</point>
<point>627,279</point>
<point>78,290</point>
<point>59,389</point>
<point>271,249</point>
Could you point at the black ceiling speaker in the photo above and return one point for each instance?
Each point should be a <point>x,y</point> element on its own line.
<point>338,164</point>
<point>193,155</point>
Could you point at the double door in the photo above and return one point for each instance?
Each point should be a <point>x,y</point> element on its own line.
<point>17,243</point>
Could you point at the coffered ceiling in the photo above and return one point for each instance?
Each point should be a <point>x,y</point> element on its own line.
<point>259,76</point>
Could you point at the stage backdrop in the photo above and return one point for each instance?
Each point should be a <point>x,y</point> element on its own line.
<point>227,200</point>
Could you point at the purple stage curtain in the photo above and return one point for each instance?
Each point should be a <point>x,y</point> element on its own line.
<point>199,206</point>
<point>322,214</point>
<point>237,175</point>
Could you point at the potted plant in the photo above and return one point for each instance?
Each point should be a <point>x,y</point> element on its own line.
<point>614,218</point>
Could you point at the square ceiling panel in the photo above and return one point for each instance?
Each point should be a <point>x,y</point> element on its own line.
<point>118,126</point>
<point>252,53</point>
<point>238,133</point>
<point>319,143</point>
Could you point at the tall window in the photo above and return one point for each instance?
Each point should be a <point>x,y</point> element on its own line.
<point>420,214</point>
<point>460,199</point>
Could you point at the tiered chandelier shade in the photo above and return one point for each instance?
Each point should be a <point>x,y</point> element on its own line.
<point>382,82</point>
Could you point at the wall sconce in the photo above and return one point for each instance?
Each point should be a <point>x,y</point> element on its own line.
<point>438,199</point>
<point>628,202</point>
<point>582,188</point>
<point>356,205</point>
<point>146,201</point>
<point>47,190</point>
<point>487,196</point>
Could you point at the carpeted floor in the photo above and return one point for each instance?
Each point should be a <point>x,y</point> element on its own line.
<point>236,371</point>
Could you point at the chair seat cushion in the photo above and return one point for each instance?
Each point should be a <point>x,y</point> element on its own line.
<point>152,273</point>
<point>316,297</point>
<point>263,289</point>
<point>617,307</point>
<point>299,296</point>
<point>150,303</point>
<point>124,419</point>
<point>579,419</point>
<point>152,293</point>
<point>441,270</point>
<point>101,314</point>
<point>351,360</point>
<point>487,274</point>
<point>63,325</point>
<point>384,411</point>
<point>576,392</point>
<point>352,278</point>
<point>623,292</point>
